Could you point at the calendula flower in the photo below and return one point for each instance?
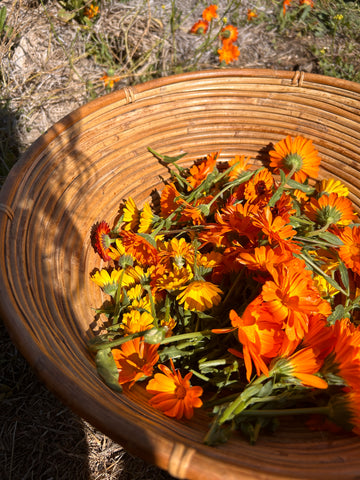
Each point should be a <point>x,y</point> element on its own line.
<point>147,218</point>
<point>240,164</point>
<point>291,297</point>
<point>174,279</point>
<point>131,216</point>
<point>286,4</point>
<point>302,365</point>
<point>135,360</point>
<point>307,2</point>
<point>344,359</point>
<point>109,80</point>
<point>331,185</point>
<point>177,251</point>
<point>109,282</point>
<point>201,169</point>
<point>200,27</point>
<point>102,240</point>
<point>228,53</point>
<point>173,394</point>
<point>296,155</point>
<point>349,252</point>
<point>260,336</point>
<point>209,13</point>
<point>91,11</point>
<point>136,321</point>
<point>259,188</point>
<point>262,259</point>
<point>199,296</point>
<point>117,251</point>
<point>251,14</point>
<point>139,248</point>
<point>229,33</point>
<point>330,210</point>
<point>278,231</point>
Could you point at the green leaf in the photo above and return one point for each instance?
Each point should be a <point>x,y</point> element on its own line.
<point>308,189</point>
<point>165,158</point>
<point>337,314</point>
<point>330,238</point>
<point>2,18</point>
<point>65,15</point>
<point>107,369</point>
<point>344,275</point>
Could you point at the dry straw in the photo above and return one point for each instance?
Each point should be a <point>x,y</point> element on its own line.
<point>77,174</point>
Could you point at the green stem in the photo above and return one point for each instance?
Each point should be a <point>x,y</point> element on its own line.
<point>186,336</point>
<point>325,410</point>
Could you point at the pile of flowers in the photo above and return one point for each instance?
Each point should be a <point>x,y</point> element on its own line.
<point>228,52</point>
<point>236,294</point>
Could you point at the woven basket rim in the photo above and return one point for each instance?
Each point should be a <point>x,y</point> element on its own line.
<point>12,313</point>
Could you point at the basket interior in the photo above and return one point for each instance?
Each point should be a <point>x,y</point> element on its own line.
<point>78,173</point>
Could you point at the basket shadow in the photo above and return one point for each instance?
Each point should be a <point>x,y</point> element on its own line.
<point>43,436</point>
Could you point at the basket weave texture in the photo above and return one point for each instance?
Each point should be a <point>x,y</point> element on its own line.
<point>77,174</point>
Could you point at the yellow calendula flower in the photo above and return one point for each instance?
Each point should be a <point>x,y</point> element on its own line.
<point>200,296</point>
<point>118,251</point>
<point>146,219</point>
<point>136,321</point>
<point>331,185</point>
<point>174,279</point>
<point>107,281</point>
<point>324,287</point>
<point>131,215</point>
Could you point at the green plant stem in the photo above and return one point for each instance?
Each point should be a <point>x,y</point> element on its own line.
<point>324,410</point>
<point>186,336</point>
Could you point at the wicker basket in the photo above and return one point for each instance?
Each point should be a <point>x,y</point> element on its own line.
<point>78,172</point>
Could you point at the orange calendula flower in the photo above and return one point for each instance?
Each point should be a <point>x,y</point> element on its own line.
<point>102,240</point>
<point>286,4</point>
<point>344,360</point>
<point>134,360</point>
<point>302,365</point>
<point>201,169</point>
<point>91,11</point>
<point>307,2</point>
<point>200,27</point>
<point>296,155</point>
<point>229,33</point>
<point>278,231</point>
<point>199,296</point>
<point>209,13</point>
<point>262,259</point>
<point>173,394</point>
<point>291,297</point>
<point>259,188</point>
<point>261,337</point>
<point>240,164</point>
<point>228,53</point>
<point>139,248</point>
<point>109,80</point>
<point>251,14</point>
<point>350,251</point>
<point>330,210</point>
<point>177,251</point>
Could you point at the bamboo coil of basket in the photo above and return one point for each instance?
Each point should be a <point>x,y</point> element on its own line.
<point>77,174</point>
